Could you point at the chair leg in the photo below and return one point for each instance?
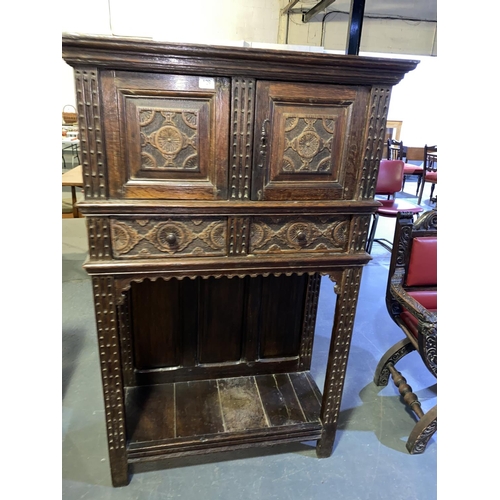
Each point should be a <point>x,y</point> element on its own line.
<point>432,191</point>
<point>421,192</point>
<point>392,355</point>
<point>422,432</point>
<point>419,180</point>
<point>371,236</point>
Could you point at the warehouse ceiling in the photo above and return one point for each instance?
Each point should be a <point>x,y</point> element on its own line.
<point>418,10</point>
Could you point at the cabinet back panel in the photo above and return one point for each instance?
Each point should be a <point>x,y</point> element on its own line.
<point>205,328</point>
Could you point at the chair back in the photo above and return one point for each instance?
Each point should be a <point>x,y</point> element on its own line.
<point>430,160</point>
<point>396,150</point>
<point>390,177</point>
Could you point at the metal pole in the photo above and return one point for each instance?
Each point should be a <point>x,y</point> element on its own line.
<point>355,24</point>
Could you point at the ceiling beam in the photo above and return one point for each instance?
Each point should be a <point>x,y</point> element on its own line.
<point>290,5</point>
<point>317,8</point>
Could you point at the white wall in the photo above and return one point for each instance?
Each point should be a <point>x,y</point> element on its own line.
<point>378,35</point>
<point>219,21</point>
<point>203,21</point>
<point>415,101</point>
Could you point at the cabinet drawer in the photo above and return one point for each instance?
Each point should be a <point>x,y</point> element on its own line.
<point>299,234</point>
<point>133,238</point>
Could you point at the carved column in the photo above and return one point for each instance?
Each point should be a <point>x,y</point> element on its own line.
<point>347,290</point>
<point>109,354</point>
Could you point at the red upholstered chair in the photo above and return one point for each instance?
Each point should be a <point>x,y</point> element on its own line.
<point>430,171</point>
<point>389,182</point>
<point>397,151</point>
<point>411,299</point>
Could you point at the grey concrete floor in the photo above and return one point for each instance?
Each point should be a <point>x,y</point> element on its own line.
<point>369,460</point>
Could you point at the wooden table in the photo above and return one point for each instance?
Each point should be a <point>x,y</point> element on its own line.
<point>74,179</point>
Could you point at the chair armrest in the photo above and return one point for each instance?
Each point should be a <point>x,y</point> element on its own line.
<point>427,321</point>
<point>407,301</point>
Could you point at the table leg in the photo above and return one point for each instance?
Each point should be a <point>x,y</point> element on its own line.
<point>73,202</point>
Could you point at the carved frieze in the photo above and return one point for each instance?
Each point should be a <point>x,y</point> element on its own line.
<point>170,236</point>
<point>311,234</point>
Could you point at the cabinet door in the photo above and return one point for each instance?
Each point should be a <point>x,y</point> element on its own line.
<point>166,135</point>
<point>308,141</point>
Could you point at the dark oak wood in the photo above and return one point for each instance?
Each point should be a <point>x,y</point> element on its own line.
<point>220,410</point>
<point>220,184</point>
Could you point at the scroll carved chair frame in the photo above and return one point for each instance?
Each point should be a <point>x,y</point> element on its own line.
<point>425,343</point>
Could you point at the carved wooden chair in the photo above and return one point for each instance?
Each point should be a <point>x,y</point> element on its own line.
<point>411,300</point>
<point>430,171</point>
<point>389,182</point>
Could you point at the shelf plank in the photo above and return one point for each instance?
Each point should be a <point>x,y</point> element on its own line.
<point>279,400</point>
<point>241,405</point>
<point>227,412</point>
<point>150,412</point>
<point>308,395</point>
<point>197,408</point>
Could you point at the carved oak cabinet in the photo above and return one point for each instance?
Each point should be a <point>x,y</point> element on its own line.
<point>220,184</point>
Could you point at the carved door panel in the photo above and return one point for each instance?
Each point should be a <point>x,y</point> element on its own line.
<point>309,141</point>
<point>166,135</point>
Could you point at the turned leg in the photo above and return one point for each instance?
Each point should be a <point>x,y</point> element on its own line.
<point>392,355</point>
<point>347,290</point>
<point>427,423</point>
<point>109,353</point>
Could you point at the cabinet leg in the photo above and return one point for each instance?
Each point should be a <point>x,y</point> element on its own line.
<point>324,445</point>
<point>347,290</point>
<point>111,374</point>
<point>119,472</point>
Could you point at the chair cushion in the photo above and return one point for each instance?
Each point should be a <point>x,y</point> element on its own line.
<point>422,268</point>
<point>428,298</point>
<point>431,177</point>
<point>391,208</point>
<point>410,169</point>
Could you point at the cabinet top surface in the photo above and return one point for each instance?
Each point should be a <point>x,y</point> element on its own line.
<point>149,55</point>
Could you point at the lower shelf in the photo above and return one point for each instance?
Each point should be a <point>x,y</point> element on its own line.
<point>219,414</point>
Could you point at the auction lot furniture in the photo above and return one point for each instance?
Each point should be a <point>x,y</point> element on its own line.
<point>411,300</point>
<point>220,183</point>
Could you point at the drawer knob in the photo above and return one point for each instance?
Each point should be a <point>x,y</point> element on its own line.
<point>301,236</point>
<point>171,239</point>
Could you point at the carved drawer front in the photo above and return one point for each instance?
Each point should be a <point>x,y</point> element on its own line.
<point>166,135</point>
<point>168,237</point>
<point>308,141</point>
<point>299,234</point>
